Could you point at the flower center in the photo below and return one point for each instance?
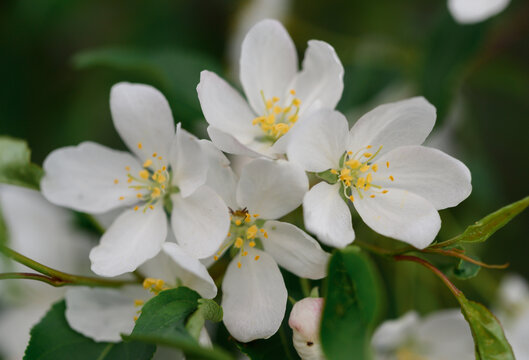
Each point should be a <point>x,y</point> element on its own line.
<point>277,120</point>
<point>245,231</point>
<point>358,173</point>
<point>151,183</point>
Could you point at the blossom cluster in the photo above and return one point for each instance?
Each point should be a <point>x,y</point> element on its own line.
<point>177,206</point>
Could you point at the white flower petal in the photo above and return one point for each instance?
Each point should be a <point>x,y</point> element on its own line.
<point>392,334</point>
<point>320,141</point>
<point>406,122</point>
<point>225,109</point>
<point>473,11</point>
<point>401,215</point>
<point>188,162</point>
<point>103,314</point>
<point>200,222</point>
<point>327,215</point>
<point>268,63</point>
<point>271,188</point>
<point>190,271</point>
<point>254,297</point>
<point>134,238</point>
<point>141,114</point>
<point>295,250</point>
<point>221,177</point>
<point>228,143</point>
<point>320,83</point>
<point>439,178</point>
<point>83,178</point>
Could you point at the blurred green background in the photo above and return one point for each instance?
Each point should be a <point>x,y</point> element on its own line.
<point>60,59</point>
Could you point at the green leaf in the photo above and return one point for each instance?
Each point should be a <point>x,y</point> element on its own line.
<point>328,176</point>
<point>491,223</point>
<point>465,270</point>
<point>163,321</point>
<point>207,310</point>
<point>279,346</point>
<point>489,338</point>
<point>15,164</point>
<point>175,72</point>
<point>53,339</point>
<point>352,305</point>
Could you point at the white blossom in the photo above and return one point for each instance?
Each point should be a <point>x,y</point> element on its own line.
<point>164,166</point>
<point>474,11</point>
<point>278,96</point>
<point>395,185</point>
<point>305,319</point>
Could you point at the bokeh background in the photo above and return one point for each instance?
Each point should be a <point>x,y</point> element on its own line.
<point>60,58</point>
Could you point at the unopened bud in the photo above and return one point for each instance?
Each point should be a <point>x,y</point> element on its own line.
<point>305,323</point>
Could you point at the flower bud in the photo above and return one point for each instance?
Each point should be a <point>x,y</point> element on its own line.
<point>305,323</point>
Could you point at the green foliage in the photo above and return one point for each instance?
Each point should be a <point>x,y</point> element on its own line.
<point>176,72</point>
<point>465,270</point>
<point>207,310</point>
<point>489,339</point>
<point>163,321</point>
<point>53,339</point>
<point>328,176</point>
<point>352,305</point>
<point>491,223</point>
<point>279,346</point>
<point>15,164</point>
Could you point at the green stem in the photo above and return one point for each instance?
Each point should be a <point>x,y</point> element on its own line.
<point>305,286</point>
<point>31,276</point>
<point>55,277</point>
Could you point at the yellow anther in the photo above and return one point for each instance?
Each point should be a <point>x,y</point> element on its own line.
<point>244,253</point>
<point>369,178</point>
<point>127,168</point>
<point>140,145</point>
<point>372,196</point>
<point>239,264</point>
<point>374,167</point>
<point>215,257</point>
<point>293,118</point>
<point>256,257</point>
<point>135,318</point>
<point>258,119</point>
<point>121,198</point>
<point>129,180</point>
<point>270,119</point>
<point>139,195</point>
<point>367,154</point>
<point>368,147</point>
<point>252,244</point>
<point>136,208</point>
<point>116,181</point>
<point>247,218</point>
<point>229,234</point>
<point>333,171</point>
<point>159,284</point>
<point>277,109</point>
<point>151,207</point>
<point>287,109</point>
<point>255,215</point>
<point>282,128</point>
<point>238,242</point>
<point>351,198</point>
<point>155,176</point>
<point>269,104</point>
<point>160,158</point>
<point>353,164</point>
<point>144,174</point>
<point>156,192</point>
<point>275,99</point>
<point>384,191</point>
<point>387,164</point>
<point>364,168</point>
<point>161,178</point>
<point>391,177</point>
<point>265,234</point>
<point>349,153</point>
<point>360,182</point>
<point>296,102</point>
<point>237,222</point>
<point>367,187</point>
<point>154,154</point>
<point>164,168</point>
<point>147,163</point>
<point>138,302</point>
<point>292,92</point>
<point>148,282</point>
<point>251,232</point>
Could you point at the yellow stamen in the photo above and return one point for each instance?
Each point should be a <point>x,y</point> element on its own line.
<point>372,196</point>
<point>252,243</point>
<point>277,109</point>
<point>239,264</point>
<point>138,302</point>
<point>140,145</point>
<point>269,104</point>
<point>275,99</point>
<point>239,242</point>
<point>136,208</point>
<point>387,164</point>
<point>364,168</point>
<point>147,163</point>
<point>293,92</point>
<point>245,253</point>
<point>255,215</point>
<point>296,102</point>
<point>151,207</point>
<point>351,198</point>
<point>135,318</point>
<point>391,177</point>
<point>333,171</point>
<point>215,257</point>
<point>127,168</point>
<point>161,178</point>
<point>237,222</point>
<point>369,178</point>
<point>368,147</point>
<point>367,154</point>
<point>156,192</point>
<point>121,198</point>
<point>360,182</point>
<point>374,167</point>
<point>116,181</point>
<point>384,191</point>
<point>256,257</point>
<point>353,164</point>
<point>139,195</point>
<point>251,232</point>
<point>154,154</point>
<point>144,174</point>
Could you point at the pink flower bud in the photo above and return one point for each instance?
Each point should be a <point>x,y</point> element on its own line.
<point>305,323</point>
